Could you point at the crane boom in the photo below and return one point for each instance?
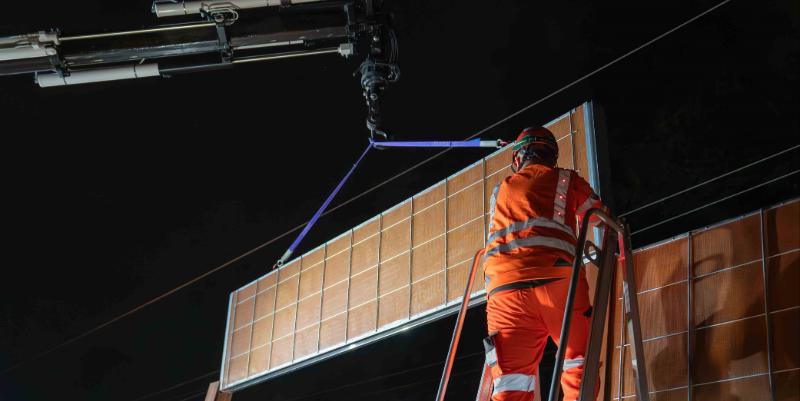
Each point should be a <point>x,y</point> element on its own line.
<point>218,35</point>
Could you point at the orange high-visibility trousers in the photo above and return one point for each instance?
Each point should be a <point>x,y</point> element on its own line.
<point>519,323</point>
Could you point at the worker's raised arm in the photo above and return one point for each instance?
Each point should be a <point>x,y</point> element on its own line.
<point>585,199</point>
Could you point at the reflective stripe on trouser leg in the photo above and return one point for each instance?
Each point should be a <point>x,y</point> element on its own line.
<point>514,382</point>
<point>491,352</point>
<point>573,363</point>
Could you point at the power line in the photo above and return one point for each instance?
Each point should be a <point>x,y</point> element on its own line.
<point>173,387</point>
<point>430,365</point>
<point>709,181</point>
<point>412,384</point>
<point>370,190</point>
<point>715,202</point>
<point>155,393</point>
<point>195,395</point>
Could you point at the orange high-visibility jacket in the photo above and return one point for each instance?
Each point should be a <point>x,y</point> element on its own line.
<point>533,224</point>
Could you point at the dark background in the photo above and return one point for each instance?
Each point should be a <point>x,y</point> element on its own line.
<point>115,193</point>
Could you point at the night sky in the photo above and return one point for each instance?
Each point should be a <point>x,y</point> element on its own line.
<point>115,193</point>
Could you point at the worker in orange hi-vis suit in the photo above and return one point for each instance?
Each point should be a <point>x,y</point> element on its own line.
<point>529,254</point>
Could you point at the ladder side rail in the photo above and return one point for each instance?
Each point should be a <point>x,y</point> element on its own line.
<point>462,314</point>
<point>606,263</point>
<point>611,224</point>
<point>632,316</point>
<point>486,385</point>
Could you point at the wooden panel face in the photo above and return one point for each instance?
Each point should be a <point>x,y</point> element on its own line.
<point>782,229</point>
<point>617,331</point>
<point>267,281</point>
<point>397,214</point>
<point>666,364</point>
<point>281,352</point>
<point>560,127</point>
<point>311,280</point>
<point>465,206</point>
<point>237,369</point>
<point>259,361</point>
<point>312,258</point>
<point>786,385</point>
<point>262,332</point>
<point>394,274</point>
<point>427,259</point>
<point>284,321</point>
<point>338,245</point>
<point>308,311</point>
<point>287,292</point>
<point>462,243</point>
<point>362,320</point>
<point>786,339</point>
<point>289,270</point>
<point>680,394</point>
<point>457,280</point>
<point>247,292</point>
<point>712,306</point>
<point>784,274</point>
<point>305,341</point>
<point>365,254</point>
<point>363,287</point>
<point>427,294</point>
<point>396,240</point>
<point>579,141</point>
<point>429,223</point>
<point>661,265</point>
<point>730,244</point>
<point>393,307</point>
<point>731,350</point>
<point>663,311</point>
<point>333,332</point>
<point>498,161</point>
<point>366,230</point>
<point>433,195</point>
<point>337,268</point>
<point>334,300</point>
<point>565,159</point>
<point>244,313</point>
<point>750,389</point>
<point>464,179</point>
<point>241,341</point>
<point>265,303</point>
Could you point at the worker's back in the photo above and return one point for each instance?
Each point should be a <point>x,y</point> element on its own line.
<point>532,227</point>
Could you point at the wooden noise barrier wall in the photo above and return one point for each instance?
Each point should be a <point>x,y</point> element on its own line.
<point>720,313</point>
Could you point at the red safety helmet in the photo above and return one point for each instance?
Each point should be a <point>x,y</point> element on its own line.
<point>534,143</point>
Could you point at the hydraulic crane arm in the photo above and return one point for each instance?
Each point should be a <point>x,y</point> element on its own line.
<point>217,35</point>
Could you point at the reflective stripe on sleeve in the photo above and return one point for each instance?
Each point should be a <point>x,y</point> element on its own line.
<point>560,203</point>
<point>573,363</point>
<point>521,225</point>
<point>536,240</point>
<point>492,205</point>
<point>514,382</point>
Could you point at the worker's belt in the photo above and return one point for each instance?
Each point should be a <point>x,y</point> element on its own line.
<point>522,285</point>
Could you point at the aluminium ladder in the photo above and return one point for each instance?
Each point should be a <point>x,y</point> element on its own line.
<point>616,233</point>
